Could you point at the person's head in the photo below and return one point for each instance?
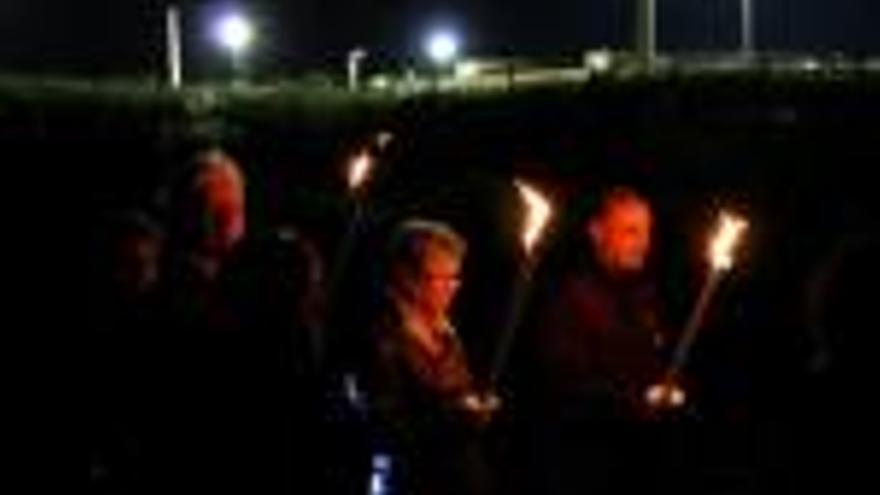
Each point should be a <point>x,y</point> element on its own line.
<point>425,265</point>
<point>620,231</point>
<point>135,244</point>
<point>215,201</point>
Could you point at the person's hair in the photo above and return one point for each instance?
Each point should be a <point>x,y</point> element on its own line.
<point>184,201</point>
<point>208,161</point>
<point>412,240</point>
<point>119,227</point>
<point>615,196</point>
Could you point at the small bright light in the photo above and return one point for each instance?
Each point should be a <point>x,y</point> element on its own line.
<point>234,32</point>
<point>359,170</point>
<point>442,47</point>
<point>380,82</point>
<point>599,61</point>
<point>467,70</point>
<point>811,65</point>
<point>665,395</point>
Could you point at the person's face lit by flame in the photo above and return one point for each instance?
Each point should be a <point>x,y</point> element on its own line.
<point>438,283</point>
<point>220,188</point>
<point>621,234</point>
<point>136,263</point>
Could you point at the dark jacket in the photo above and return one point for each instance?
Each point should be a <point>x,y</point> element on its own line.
<point>598,343</point>
<point>416,398</point>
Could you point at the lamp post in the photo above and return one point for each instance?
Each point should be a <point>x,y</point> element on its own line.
<point>747,28</point>
<point>173,47</point>
<point>442,48</point>
<point>235,33</point>
<point>646,32</point>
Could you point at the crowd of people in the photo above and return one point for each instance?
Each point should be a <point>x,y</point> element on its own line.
<point>216,367</point>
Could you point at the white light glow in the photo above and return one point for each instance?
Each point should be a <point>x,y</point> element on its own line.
<point>442,46</point>
<point>234,32</point>
<point>599,61</point>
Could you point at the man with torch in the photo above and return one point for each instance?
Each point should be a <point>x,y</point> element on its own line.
<point>594,346</point>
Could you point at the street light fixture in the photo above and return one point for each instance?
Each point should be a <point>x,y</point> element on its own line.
<point>442,47</point>
<point>235,33</point>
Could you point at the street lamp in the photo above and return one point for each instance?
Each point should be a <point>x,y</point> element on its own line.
<point>355,60</point>
<point>747,28</point>
<point>646,32</point>
<point>442,47</point>
<point>235,33</point>
<point>173,46</point>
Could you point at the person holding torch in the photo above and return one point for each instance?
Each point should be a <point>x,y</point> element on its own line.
<point>596,343</point>
<point>424,398</point>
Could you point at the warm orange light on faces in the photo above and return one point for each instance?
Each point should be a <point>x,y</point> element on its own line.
<point>438,283</point>
<point>622,235</point>
<point>222,191</point>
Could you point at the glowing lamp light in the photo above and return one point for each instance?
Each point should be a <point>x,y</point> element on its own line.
<point>234,32</point>
<point>442,47</point>
<point>599,61</point>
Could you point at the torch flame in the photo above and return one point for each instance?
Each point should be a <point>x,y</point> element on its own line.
<point>537,216</point>
<point>359,170</point>
<point>730,230</point>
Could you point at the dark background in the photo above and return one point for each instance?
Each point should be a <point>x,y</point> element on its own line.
<point>126,37</point>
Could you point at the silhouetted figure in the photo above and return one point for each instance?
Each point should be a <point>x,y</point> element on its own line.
<point>125,268</point>
<point>200,368</point>
<point>275,289</point>
<point>835,414</point>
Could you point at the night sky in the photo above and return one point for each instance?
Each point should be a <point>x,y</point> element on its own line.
<point>126,37</point>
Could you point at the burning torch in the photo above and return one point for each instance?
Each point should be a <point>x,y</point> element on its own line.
<point>358,174</point>
<point>720,254</point>
<point>538,212</point>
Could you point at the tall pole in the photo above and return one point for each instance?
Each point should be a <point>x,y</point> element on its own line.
<point>173,47</point>
<point>747,28</point>
<point>646,32</point>
<point>355,59</point>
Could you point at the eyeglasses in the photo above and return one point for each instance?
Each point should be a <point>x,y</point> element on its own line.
<point>445,278</point>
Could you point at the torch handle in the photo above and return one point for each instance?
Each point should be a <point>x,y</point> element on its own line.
<point>694,323</point>
<point>345,249</point>
<point>521,291</point>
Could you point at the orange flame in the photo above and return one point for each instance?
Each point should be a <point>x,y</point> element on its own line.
<point>730,230</point>
<point>359,170</point>
<point>537,216</point>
